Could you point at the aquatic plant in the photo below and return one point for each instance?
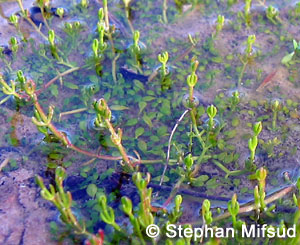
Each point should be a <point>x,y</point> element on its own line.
<point>211,112</point>
<point>288,58</point>
<point>234,100</point>
<point>247,14</point>
<point>128,14</point>
<point>275,108</point>
<point>191,82</point>
<point>252,144</point>
<point>136,50</point>
<point>164,71</point>
<point>192,145</point>
<point>273,15</point>
<point>219,26</point>
<point>233,209</point>
<point>247,57</point>
<point>60,12</point>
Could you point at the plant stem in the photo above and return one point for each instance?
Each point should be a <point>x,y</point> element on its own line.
<point>252,156</point>
<point>191,95</point>
<point>169,145</point>
<point>114,69</point>
<point>165,8</point>
<point>71,112</point>
<point>119,145</point>
<point>5,99</point>
<point>242,74</point>
<point>55,78</point>
<point>128,19</point>
<point>108,33</point>
<point>274,120</point>
<point>44,18</point>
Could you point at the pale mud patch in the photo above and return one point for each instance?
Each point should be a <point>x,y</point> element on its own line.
<point>23,212</point>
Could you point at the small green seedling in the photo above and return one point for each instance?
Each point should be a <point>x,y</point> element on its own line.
<point>165,74</point>
<point>128,14</point>
<point>247,14</point>
<point>247,57</point>
<point>234,100</point>
<point>273,15</point>
<point>99,45</point>
<point>189,162</point>
<point>84,3</point>
<point>250,41</point>
<point>270,145</point>
<point>163,59</point>
<point>219,26</point>
<point>206,213</point>
<point>136,50</point>
<point>177,210</point>
<point>192,81</point>
<point>95,47</point>
<point>259,191</point>
<point>14,45</point>
<point>53,48</point>
<point>275,108</point>
<point>288,58</point>
<point>107,214</point>
<point>252,144</point>
<point>233,209</point>
<point>297,10</point>
<point>211,112</point>
<point>60,12</point>
<point>14,20</point>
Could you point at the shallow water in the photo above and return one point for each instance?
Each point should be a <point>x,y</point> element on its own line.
<point>145,111</point>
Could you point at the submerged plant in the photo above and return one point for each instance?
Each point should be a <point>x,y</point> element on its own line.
<point>259,191</point>
<point>252,144</point>
<point>136,50</point>
<point>14,45</point>
<point>233,209</point>
<point>195,144</point>
<point>247,14</point>
<point>165,73</point>
<point>219,26</point>
<point>60,12</point>
<point>247,57</point>
<point>234,100</point>
<point>270,145</point>
<point>273,15</point>
<point>165,9</point>
<point>63,202</point>
<point>189,162</point>
<point>288,58</point>
<point>211,112</point>
<point>191,82</point>
<point>103,117</point>
<point>128,14</point>
<point>206,213</point>
<point>275,108</point>
<point>51,39</point>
